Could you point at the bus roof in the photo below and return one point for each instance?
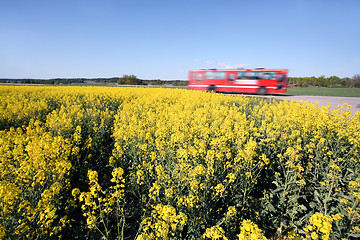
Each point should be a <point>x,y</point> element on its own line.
<point>242,69</point>
<point>277,70</point>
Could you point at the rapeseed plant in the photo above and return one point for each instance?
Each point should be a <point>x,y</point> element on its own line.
<point>148,163</point>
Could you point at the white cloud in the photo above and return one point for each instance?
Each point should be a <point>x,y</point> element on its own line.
<point>231,66</point>
<point>209,63</point>
<point>226,65</point>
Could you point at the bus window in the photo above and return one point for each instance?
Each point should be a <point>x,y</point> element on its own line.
<point>199,77</point>
<point>231,77</point>
<point>194,75</point>
<point>269,75</point>
<point>282,77</point>
<point>220,75</point>
<point>242,75</point>
<point>254,75</point>
<point>209,75</point>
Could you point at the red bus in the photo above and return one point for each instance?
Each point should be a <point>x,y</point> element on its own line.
<point>259,80</point>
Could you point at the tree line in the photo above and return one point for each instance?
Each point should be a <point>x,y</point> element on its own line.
<point>124,80</point>
<point>133,80</point>
<point>322,81</point>
<point>45,81</point>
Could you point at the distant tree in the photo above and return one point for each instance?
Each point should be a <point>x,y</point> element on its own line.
<point>322,81</point>
<point>129,80</point>
<point>114,79</point>
<point>180,83</point>
<point>354,81</point>
<point>303,82</point>
<point>333,81</point>
<point>26,81</point>
<point>156,82</point>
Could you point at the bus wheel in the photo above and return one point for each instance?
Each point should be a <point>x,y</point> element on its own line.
<point>262,91</point>
<point>212,88</point>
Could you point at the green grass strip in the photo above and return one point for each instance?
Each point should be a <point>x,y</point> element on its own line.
<point>318,91</point>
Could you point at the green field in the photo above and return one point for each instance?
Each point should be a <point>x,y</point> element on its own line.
<point>319,91</point>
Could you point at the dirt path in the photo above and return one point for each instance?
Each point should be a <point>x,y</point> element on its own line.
<point>323,100</point>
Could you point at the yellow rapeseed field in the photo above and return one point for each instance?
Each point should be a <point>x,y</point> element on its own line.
<point>146,163</point>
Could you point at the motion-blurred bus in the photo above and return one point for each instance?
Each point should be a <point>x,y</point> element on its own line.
<point>260,80</point>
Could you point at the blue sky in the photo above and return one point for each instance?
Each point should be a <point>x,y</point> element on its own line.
<point>164,39</point>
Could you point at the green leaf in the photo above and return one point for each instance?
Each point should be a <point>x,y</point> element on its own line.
<point>282,200</point>
<point>277,184</point>
<point>302,207</point>
<point>270,207</point>
<point>294,198</point>
<point>317,196</point>
<point>277,190</point>
<point>312,205</point>
<point>316,193</point>
<point>355,235</point>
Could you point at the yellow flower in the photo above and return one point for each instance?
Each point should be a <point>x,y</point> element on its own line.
<point>219,189</point>
<point>215,232</point>
<point>302,182</point>
<point>169,192</point>
<point>293,236</point>
<point>231,212</point>
<point>75,192</point>
<point>320,225</point>
<point>2,232</point>
<point>231,177</point>
<point>314,235</point>
<point>250,230</point>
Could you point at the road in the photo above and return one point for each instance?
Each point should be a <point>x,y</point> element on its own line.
<point>322,100</point>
